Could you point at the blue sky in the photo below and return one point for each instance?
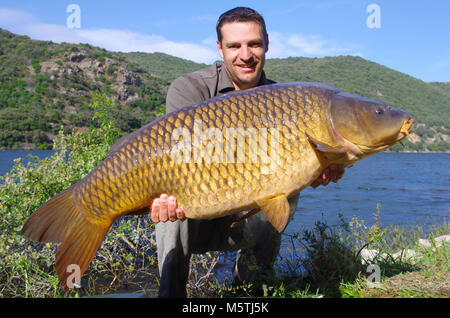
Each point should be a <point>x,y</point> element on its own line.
<point>413,37</point>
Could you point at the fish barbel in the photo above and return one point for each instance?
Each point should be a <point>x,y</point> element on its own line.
<point>247,150</point>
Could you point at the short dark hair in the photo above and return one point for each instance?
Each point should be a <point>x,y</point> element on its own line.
<point>240,14</point>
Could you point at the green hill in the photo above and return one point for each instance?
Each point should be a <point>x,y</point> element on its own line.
<point>162,65</point>
<point>442,85</point>
<point>44,85</point>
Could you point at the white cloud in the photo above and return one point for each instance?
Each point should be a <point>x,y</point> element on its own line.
<point>311,45</point>
<point>129,41</point>
<point>114,40</point>
<point>285,45</point>
<point>8,16</point>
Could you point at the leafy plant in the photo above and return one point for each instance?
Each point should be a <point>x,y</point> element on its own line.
<point>27,268</point>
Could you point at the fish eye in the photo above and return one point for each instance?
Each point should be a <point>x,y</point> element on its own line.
<point>379,111</point>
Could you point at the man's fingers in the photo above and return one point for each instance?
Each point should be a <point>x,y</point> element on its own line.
<point>163,208</point>
<point>331,173</point>
<point>171,208</point>
<point>155,211</point>
<point>336,172</point>
<point>180,214</point>
<point>332,176</point>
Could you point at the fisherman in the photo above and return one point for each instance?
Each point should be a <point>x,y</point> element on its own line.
<point>242,41</point>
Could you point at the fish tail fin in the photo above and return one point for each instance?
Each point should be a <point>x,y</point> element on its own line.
<point>52,220</point>
<point>78,249</point>
<point>59,220</point>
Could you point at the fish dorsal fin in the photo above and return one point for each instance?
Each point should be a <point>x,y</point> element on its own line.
<point>276,210</point>
<point>119,143</point>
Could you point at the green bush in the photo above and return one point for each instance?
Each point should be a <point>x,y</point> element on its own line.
<point>27,268</point>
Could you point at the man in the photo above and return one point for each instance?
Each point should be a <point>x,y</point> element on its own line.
<point>242,42</point>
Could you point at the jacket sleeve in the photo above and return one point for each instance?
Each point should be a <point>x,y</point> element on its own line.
<point>184,91</point>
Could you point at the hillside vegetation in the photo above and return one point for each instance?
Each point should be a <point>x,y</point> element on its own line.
<point>162,65</point>
<point>44,85</point>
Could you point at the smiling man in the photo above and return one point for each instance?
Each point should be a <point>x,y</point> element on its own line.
<point>243,46</point>
<point>242,42</point>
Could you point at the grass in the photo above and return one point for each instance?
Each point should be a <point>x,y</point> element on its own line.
<point>427,278</point>
<point>326,262</point>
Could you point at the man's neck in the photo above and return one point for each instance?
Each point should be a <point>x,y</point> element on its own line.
<point>238,88</point>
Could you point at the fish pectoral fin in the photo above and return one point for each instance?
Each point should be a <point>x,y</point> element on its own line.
<point>277,211</point>
<point>335,153</point>
<point>322,147</point>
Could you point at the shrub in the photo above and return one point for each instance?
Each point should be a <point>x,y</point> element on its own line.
<point>27,268</point>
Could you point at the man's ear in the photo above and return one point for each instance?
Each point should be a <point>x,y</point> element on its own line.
<point>219,48</point>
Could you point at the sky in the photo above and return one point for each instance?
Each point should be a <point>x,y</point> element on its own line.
<point>409,36</point>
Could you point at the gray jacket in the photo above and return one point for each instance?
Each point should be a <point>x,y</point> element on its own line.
<point>201,85</point>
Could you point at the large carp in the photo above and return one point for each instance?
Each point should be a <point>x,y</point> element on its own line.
<point>248,150</point>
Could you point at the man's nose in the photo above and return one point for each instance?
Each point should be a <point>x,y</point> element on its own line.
<point>245,53</point>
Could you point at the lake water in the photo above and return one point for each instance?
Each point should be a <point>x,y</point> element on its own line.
<point>7,157</point>
<point>409,188</point>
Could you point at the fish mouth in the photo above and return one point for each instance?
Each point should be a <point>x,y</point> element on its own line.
<point>405,130</point>
<point>406,127</point>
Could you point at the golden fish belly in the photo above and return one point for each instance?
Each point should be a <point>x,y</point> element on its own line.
<point>244,188</point>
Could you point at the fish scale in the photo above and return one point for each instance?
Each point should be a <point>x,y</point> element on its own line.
<point>222,181</point>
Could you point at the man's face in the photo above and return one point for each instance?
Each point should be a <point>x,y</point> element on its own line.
<point>243,50</point>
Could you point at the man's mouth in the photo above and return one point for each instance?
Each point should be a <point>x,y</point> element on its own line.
<point>247,67</point>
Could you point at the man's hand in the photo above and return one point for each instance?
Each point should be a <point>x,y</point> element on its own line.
<point>332,173</point>
<point>165,209</point>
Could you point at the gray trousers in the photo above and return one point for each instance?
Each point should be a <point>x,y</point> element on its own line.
<point>256,239</point>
